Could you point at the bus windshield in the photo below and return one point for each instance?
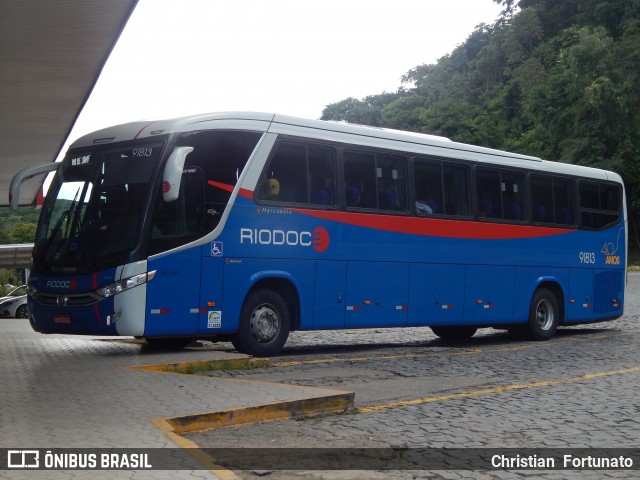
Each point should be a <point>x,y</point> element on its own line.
<point>93,212</point>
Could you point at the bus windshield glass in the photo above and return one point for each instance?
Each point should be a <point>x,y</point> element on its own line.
<point>92,215</point>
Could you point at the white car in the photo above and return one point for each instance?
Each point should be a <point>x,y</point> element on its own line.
<point>17,291</point>
<point>14,307</point>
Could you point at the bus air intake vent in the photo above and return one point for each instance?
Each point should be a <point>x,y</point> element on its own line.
<point>78,300</point>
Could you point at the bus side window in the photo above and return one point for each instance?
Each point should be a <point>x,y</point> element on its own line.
<point>541,198</point>
<point>300,173</point>
<point>428,187</point>
<point>600,204</point>
<point>391,182</point>
<point>360,179</point>
<point>456,189</point>
<point>513,195</point>
<point>488,190</point>
<point>564,201</point>
<point>285,180</point>
<point>322,176</point>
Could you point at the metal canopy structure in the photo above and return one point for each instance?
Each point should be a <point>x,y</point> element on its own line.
<point>51,55</point>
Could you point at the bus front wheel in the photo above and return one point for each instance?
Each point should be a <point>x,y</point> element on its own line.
<point>463,332</point>
<point>264,324</point>
<point>544,317</point>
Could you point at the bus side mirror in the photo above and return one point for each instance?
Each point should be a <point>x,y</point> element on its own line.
<point>26,174</point>
<point>173,173</point>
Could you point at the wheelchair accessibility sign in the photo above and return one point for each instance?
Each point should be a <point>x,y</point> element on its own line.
<point>216,249</point>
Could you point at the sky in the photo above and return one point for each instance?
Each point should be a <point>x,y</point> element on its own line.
<point>180,57</point>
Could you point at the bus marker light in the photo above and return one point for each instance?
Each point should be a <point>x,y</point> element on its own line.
<point>479,302</point>
<point>211,304</point>
<point>367,302</point>
<point>572,301</point>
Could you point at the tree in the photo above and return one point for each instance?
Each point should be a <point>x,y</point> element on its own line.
<point>23,233</point>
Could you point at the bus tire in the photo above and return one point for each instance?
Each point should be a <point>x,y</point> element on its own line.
<point>544,316</point>
<point>463,332</point>
<point>264,324</point>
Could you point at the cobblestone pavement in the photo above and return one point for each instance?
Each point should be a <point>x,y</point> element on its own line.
<point>59,391</point>
<point>578,390</point>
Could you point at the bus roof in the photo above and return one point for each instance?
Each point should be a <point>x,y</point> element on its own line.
<point>344,132</point>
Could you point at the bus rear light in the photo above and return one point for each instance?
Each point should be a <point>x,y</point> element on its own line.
<point>447,307</point>
<point>351,308</point>
<point>489,305</point>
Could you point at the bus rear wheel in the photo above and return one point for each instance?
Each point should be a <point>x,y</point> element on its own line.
<point>264,324</point>
<point>544,317</point>
<point>463,332</point>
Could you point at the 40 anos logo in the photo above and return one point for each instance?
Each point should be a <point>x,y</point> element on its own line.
<point>318,239</point>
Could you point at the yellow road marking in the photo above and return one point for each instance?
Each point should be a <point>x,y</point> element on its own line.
<point>194,450</point>
<point>506,388</point>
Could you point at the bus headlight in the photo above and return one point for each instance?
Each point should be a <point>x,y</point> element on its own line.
<point>125,284</point>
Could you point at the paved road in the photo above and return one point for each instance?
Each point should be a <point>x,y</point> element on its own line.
<point>412,390</point>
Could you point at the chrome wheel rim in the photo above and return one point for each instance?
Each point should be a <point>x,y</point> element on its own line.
<point>544,314</point>
<point>264,323</point>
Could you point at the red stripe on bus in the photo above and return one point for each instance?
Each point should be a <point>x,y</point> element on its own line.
<point>229,188</point>
<point>141,130</point>
<point>435,227</point>
<point>432,227</point>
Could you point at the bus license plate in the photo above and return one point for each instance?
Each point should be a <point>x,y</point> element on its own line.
<point>62,318</point>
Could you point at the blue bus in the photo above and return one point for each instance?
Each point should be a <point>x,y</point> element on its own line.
<point>246,226</point>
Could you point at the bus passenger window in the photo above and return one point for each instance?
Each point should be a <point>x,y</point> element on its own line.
<point>322,174</point>
<point>301,174</point>
<point>488,189</point>
<point>360,180</point>
<point>391,182</point>
<point>541,198</point>
<point>456,189</point>
<point>564,201</point>
<point>428,187</point>
<point>285,179</point>
<point>599,204</point>
<point>513,198</point>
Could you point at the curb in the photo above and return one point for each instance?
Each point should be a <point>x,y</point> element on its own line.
<point>338,402</point>
<point>327,400</point>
